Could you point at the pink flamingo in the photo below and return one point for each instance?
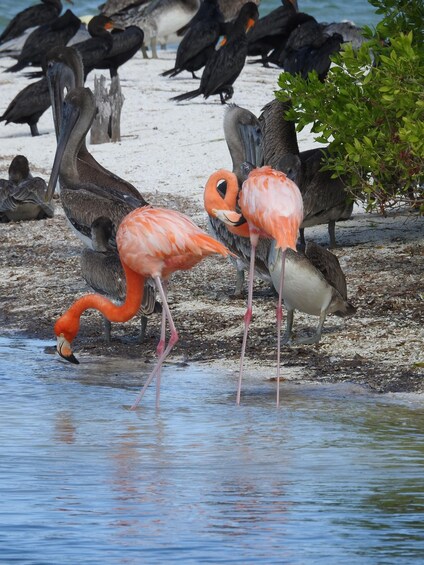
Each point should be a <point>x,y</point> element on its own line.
<point>152,242</point>
<point>272,206</point>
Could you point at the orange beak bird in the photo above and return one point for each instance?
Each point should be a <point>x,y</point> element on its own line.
<point>152,242</point>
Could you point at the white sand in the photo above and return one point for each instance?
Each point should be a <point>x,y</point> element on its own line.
<point>166,146</point>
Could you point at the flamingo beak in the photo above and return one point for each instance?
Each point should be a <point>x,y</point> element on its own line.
<point>63,347</point>
<point>227,216</point>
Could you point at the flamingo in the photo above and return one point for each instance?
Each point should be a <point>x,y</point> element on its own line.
<point>152,242</point>
<point>272,206</point>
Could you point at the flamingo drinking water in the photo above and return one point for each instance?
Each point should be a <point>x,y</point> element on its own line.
<point>152,242</point>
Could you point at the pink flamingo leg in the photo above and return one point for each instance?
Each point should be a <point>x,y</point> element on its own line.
<point>279,320</point>
<point>254,237</point>
<point>172,341</point>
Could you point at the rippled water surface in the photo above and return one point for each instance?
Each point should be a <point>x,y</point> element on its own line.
<point>335,475</point>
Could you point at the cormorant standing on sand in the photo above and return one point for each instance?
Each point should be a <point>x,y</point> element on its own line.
<point>44,38</point>
<point>225,64</point>
<point>33,16</point>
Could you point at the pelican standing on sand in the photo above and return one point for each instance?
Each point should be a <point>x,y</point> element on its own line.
<point>314,283</point>
<point>22,196</point>
<point>244,140</point>
<point>325,199</point>
<point>158,19</point>
<point>273,208</point>
<point>88,191</point>
<point>152,242</point>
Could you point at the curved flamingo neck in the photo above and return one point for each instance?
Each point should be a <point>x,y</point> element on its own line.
<point>68,324</point>
<point>213,199</point>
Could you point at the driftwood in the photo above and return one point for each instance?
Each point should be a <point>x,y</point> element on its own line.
<point>107,123</point>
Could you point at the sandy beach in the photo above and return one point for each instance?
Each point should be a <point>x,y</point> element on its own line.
<point>168,151</point>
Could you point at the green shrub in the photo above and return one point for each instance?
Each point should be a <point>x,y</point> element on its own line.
<point>370,109</point>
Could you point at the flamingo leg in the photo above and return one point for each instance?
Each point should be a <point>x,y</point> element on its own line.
<point>172,341</point>
<point>254,237</point>
<point>279,320</point>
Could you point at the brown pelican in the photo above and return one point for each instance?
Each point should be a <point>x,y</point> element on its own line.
<point>231,8</point>
<point>103,272</point>
<point>314,283</point>
<point>87,192</point>
<point>64,72</point>
<point>225,64</point>
<point>33,16</point>
<point>199,40</point>
<point>158,18</point>
<point>44,38</point>
<point>243,136</point>
<point>22,196</point>
<point>325,199</point>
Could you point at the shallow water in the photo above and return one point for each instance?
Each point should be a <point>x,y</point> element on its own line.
<point>334,474</point>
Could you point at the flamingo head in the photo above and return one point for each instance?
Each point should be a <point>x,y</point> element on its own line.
<point>66,328</point>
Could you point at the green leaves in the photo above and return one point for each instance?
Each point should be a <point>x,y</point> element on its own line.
<point>370,110</point>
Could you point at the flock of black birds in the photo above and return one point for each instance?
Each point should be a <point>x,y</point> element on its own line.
<point>94,199</point>
<point>285,37</point>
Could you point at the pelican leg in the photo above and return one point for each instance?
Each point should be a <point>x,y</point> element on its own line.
<point>254,237</point>
<point>315,338</point>
<point>287,337</point>
<point>238,291</point>
<point>172,341</point>
<point>143,327</point>
<point>332,233</point>
<point>107,328</point>
<point>153,45</point>
<point>279,319</point>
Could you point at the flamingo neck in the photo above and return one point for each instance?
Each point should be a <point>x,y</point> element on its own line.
<point>68,324</point>
<point>213,199</point>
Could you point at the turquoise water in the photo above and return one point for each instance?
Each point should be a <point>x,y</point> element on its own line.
<point>335,475</point>
<point>360,11</point>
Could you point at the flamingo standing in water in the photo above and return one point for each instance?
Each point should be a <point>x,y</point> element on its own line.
<point>272,206</point>
<point>152,242</point>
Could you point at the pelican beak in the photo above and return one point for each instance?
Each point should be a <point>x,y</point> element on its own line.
<point>59,77</point>
<point>70,117</point>
<point>251,138</point>
<point>63,347</point>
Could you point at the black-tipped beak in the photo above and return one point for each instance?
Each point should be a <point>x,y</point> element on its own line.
<point>63,347</point>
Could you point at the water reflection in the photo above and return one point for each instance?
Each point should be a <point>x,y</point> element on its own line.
<point>334,474</point>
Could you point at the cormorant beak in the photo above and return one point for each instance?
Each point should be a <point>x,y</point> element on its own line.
<point>64,349</point>
<point>250,23</point>
<point>69,119</point>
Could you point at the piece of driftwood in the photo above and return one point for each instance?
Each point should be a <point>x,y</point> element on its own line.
<point>106,126</point>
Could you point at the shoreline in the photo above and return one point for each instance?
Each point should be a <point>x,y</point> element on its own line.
<point>168,151</point>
